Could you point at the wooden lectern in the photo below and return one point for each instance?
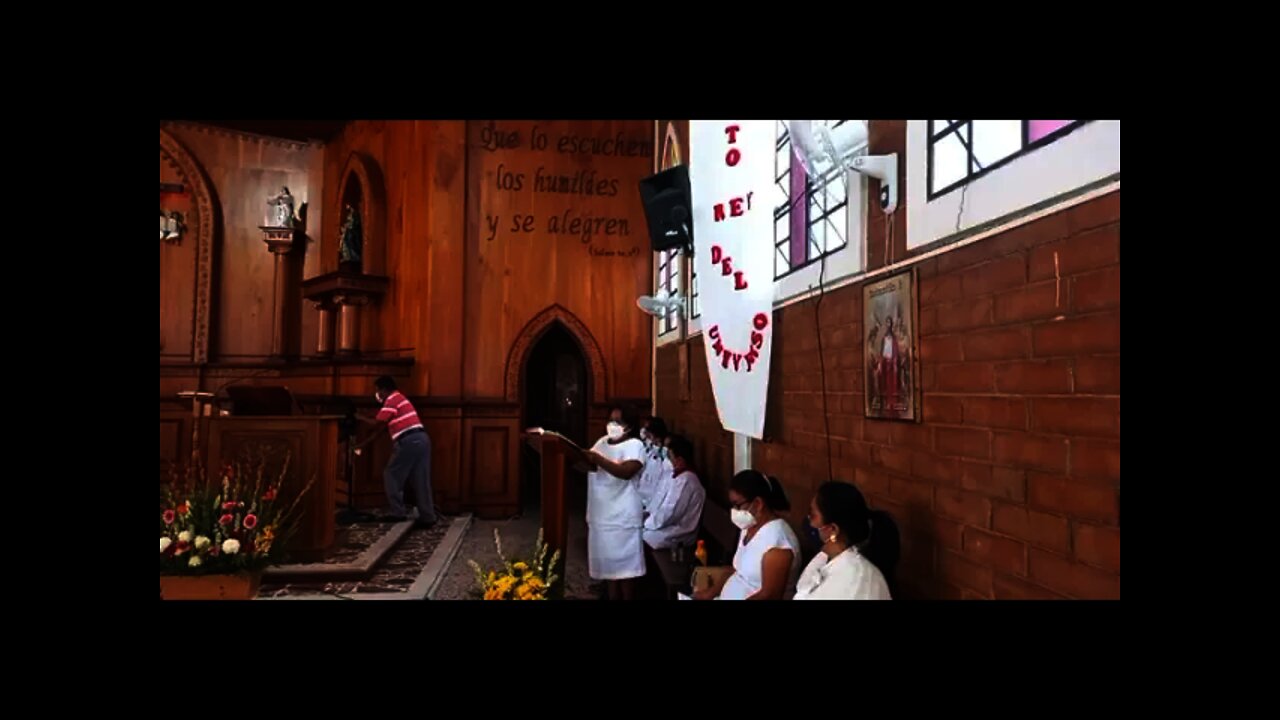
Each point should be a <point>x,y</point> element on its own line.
<point>557,454</point>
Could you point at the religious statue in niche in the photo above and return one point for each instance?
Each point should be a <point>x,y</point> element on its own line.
<point>351,239</point>
<point>281,214</point>
<point>171,226</point>
<point>888,308</point>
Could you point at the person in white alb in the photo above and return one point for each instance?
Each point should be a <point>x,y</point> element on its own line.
<point>767,561</point>
<point>615,515</point>
<point>657,466</point>
<point>676,508</point>
<point>841,523</point>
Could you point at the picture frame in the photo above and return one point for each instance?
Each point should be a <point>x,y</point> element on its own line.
<point>891,370</point>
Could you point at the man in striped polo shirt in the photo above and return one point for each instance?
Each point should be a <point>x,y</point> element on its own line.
<point>410,453</point>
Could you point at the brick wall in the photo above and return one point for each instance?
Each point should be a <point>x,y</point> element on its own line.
<point>1009,488</point>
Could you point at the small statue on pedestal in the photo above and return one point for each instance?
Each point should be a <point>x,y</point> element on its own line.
<point>281,205</point>
<point>351,240</point>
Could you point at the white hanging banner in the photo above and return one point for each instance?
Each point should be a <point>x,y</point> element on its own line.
<point>731,169</point>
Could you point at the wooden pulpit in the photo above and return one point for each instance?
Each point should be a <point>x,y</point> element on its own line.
<point>557,454</point>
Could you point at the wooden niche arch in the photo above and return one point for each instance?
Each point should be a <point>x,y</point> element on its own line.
<point>533,331</point>
<point>362,182</point>
<point>201,227</point>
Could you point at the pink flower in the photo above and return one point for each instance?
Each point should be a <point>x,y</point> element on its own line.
<point>225,519</point>
<point>229,505</point>
<point>269,495</point>
<point>169,516</point>
<point>250,521</point>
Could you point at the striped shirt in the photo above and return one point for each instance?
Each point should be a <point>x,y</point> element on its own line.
<point>398,413</point>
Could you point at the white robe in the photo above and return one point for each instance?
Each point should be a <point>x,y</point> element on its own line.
<point>615,516</point>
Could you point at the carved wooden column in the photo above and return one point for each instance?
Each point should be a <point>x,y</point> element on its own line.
<point>324,338</point>
<point>280,242</point>
<point>346,293</point>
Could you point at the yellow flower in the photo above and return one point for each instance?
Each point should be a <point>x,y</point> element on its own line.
<point>520,566</point>
<point>534,583</point>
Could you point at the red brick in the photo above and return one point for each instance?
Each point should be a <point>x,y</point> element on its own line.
<point>871,482</point>
<point>928,320</point>
<point>999,344</point>
<point>948,534</point>
<point>1012,588</point>
<point>965,315</point>
<point>1098,546</point>
<point>911,435</point>
<point>1052,532</point>
<point>935,290</point>
<point>969,508</point>
<point>942,410</point>
<point>1096,290</point>
<point>859,453</point>
<point>911,493</point>
<point>1002,274</point>
<point>994,481</point>
<point>899,512</point>
<point>1076,500</point>
<point>964,442</point>
<point>1077,254</point>
<point>1078,336</point>
<point>944,348</point>
<point>965,377</point>
<point>1002,413</point>
<point>1098,417</point>
<point>1095,459</point>
<point>941,471</point>
<point>1102,211</point>
<point>1098,375</point>
<point>1040,301</point>
<point>1000,553</point>
<point>877,431</point>
<point>959,571</point>
<point>916,560</point>
<point>896,459</point>
<point>1036,452</point>
<point>1072,579</point>
<point>1034,377</point>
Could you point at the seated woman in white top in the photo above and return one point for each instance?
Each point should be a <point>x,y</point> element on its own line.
<point>615,516</point>
<point>841,523</point>
<point>768,557</point>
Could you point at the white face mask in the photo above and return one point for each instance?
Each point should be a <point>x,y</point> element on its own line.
<point>743,519</point>
<point>614,430</point>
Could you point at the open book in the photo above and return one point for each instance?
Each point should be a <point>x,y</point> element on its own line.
<point>553,433</point>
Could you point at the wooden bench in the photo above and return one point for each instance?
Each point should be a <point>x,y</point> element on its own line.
<point>721,538</point>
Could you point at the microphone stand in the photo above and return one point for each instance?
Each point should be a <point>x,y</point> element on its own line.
<point>350,515</point>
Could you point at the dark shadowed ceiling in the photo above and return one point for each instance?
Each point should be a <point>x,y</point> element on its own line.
<point>303,130</point>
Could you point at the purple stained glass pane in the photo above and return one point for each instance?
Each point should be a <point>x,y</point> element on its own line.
<point>1040,128</point>
<point>799,213</point>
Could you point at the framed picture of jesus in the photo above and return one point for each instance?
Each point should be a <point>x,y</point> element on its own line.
<point>889,320</point>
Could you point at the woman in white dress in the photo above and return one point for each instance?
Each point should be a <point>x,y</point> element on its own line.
<point>615,515</point>
<point>859,547</point>
<point>767,561</point>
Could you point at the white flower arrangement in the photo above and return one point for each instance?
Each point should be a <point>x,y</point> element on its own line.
<point>184,536</point>
<point>202,542</point>
<point>231,546</point>
<point>165,543</point>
